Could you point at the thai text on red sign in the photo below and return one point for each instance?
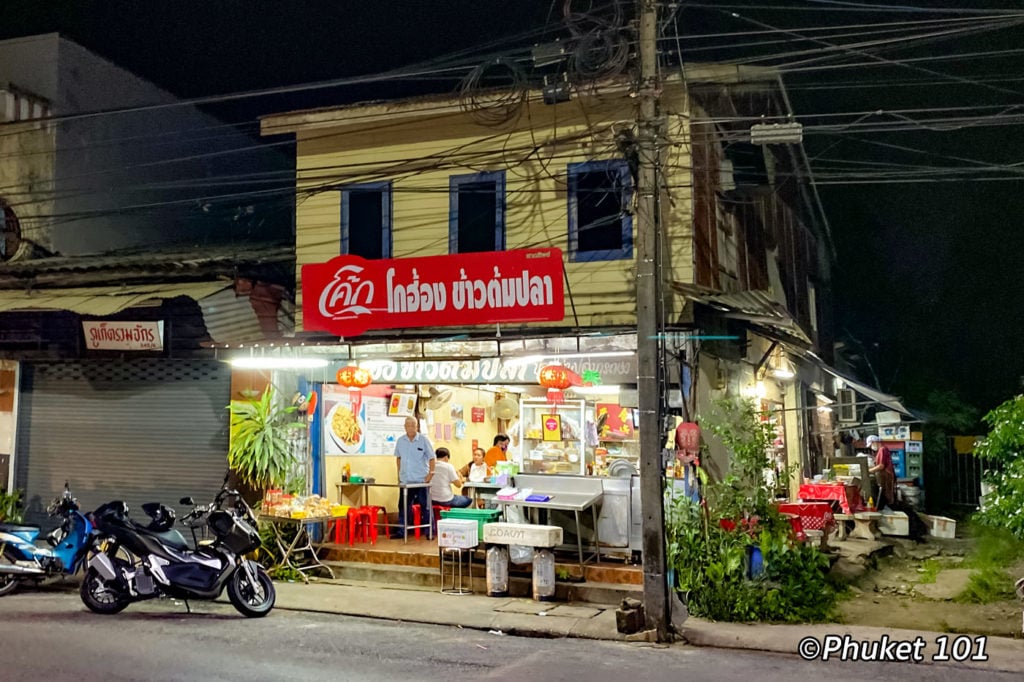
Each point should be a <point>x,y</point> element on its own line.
<point>349,295</point>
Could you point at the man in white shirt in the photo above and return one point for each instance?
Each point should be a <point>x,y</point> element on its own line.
<point>444,477</point>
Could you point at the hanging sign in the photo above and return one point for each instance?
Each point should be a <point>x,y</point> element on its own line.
<point>477,415</point>
<point>124,335</point>
<point>552,426</point>
<point>616,422</point>
<point>349,295</point>
<point>402,405</point>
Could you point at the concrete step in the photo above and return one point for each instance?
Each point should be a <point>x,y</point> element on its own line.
<point>398,555</point>
<point>520,585</point>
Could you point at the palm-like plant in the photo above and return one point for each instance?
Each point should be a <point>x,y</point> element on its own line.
<point>260,451</point>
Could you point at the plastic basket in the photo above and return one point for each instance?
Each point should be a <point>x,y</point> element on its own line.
<point>510,468</point>
<point>481,516</point>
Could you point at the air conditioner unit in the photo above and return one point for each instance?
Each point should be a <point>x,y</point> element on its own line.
<point>846,403</point>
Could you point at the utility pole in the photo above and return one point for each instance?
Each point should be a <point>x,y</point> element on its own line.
<point>648,295</point>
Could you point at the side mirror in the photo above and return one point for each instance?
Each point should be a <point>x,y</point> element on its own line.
<point>187,500</point>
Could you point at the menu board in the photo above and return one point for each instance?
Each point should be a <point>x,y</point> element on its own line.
<point>359,425</point>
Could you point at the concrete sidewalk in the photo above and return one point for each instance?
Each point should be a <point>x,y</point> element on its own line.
<point>526,617</point>
<point>505,615</point>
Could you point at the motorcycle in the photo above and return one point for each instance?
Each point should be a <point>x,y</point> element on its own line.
<point>160,562</point>
<point>21,559</point>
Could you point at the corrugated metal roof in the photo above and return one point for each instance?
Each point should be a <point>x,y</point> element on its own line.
<point>756,307</point>
<point>759,303</point>
<point>230,318</point>
<point>104,300</point>
<point>182,259</point>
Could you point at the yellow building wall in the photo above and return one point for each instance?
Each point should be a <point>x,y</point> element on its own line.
<point>420,154</point>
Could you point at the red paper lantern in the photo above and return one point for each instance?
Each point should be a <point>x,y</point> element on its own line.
<point>354,379</point>
<point>556,379</point>
<point>687,442</point>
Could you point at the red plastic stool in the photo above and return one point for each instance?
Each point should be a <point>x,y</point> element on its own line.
<point>375,513</point>
<point>438,508</point>
<point>340,525</point>
<point>416,519</point>
<point>361,525</point>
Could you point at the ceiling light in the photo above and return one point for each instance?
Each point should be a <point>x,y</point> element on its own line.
<point>278,363</point>
<point>783,373</point>
<point>595,390</point>
<point>528,359</point>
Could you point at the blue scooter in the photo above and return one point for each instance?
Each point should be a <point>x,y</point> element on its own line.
<point>21,559</point>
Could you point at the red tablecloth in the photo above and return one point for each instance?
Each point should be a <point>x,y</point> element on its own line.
<point>813,515</point>
<point>848,496</point>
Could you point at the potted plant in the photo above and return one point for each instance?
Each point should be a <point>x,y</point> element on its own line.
<point>260,451</point>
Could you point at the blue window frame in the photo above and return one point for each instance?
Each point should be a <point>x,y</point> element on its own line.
<point>600,221</point>
<point>476,212</point>
<point>366,220</point>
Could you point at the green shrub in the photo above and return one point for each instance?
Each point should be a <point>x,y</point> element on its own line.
<point>711,564</point>
<point>1004,447</point>
<point>10,506</point>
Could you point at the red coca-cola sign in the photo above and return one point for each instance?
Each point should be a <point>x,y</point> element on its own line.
<point>349,295</point>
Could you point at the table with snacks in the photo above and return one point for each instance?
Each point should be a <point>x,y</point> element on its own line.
<point>281,511</point>
<point>847,495</point>
<point>813,515</point>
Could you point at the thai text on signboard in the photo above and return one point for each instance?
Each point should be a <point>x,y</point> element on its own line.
<point>124,335</point>
<point>494,370</point>
<point>349,295</point>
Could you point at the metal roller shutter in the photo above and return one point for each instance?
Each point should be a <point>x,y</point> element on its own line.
<point>141,430</point>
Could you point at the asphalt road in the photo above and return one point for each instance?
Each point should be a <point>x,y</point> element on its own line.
<point>50,635</point>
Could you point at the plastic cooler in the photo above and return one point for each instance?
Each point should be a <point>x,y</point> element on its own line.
<point>481,516</point>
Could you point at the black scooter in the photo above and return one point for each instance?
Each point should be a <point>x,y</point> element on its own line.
<point>160,562</point>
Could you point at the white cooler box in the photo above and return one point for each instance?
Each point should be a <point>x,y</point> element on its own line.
<point>940,526</point>
<point>460,533</point>
<point>894,523</point>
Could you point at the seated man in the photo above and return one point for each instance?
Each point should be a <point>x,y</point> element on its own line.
<point>445,476</point>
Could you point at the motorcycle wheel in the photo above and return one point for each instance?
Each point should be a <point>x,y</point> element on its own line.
<point>245,598</point>
<point>8,583</point>
<point>99,596</point>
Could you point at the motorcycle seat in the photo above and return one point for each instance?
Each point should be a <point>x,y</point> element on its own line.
<point>17,528</point>
<point>171,538</point>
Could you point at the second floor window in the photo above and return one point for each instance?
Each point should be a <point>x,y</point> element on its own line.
<point>366,220</point>
<point>476,214</point>
<point>600,223</point>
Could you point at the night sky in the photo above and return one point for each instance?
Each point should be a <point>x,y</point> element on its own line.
<point>928,283</point>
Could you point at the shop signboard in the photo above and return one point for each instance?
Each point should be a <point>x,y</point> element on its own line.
<point>105,335</point>
<point>349,295</point>
<point>615,370</point>
<point>894,432</point>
